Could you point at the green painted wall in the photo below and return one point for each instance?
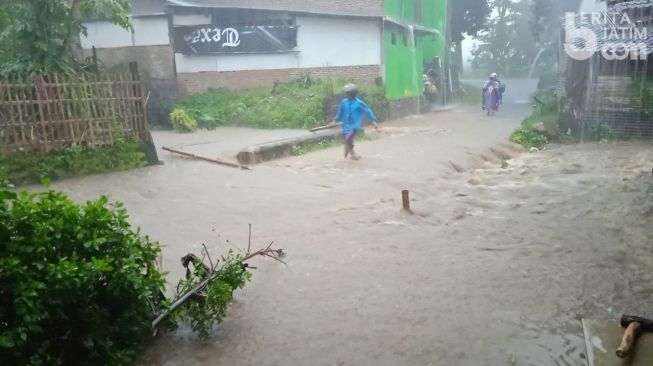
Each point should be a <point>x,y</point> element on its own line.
<point>405,57</point>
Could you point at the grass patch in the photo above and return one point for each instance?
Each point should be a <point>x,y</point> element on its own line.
<point>545,112</point>
<point>295,104</point>
<point>73,161</point>
<point>528,138</point>
<point>470,94</point>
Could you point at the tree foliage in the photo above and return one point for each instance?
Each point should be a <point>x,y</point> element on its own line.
<point>468,17</point>
<point>546,23</point>
<point>507,46</point>
<point>42,35</point>
<point>77,285</point>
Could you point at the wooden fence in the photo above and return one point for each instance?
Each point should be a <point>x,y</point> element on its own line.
<point>42,113</point>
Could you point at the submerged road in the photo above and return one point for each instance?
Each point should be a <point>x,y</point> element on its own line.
<point>495,266</point>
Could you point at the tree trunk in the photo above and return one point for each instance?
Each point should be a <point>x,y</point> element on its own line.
<point>459,57</point>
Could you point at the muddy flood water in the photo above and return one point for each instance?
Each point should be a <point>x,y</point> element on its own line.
<point>495,267</point>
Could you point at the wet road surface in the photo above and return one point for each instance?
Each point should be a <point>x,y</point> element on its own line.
<point>494,268</point>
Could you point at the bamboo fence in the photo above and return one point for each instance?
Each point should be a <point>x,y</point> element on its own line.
<point>43,113</point>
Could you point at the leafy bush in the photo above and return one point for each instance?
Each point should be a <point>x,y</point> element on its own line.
<point>209,307</point>
<point>77,284</point>
<point>181,121</point>
<point>73,161</point>
<point>545,111</point>
<point>528,138</point>
<point>294,104</point>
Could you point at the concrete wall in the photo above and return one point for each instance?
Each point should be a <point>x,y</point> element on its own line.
<point>154,61</point>
<point>150,47</point>
<point>197,82</point>
<point>321,41</point>
<point>155,64</point>
<point>147,31</point>
<point>406,107</point>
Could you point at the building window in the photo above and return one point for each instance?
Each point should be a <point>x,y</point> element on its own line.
<point>394,38</point>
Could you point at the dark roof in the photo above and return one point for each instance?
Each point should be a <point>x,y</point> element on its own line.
<point>633,4</point>
<point>147,7</point>
<point>357,8</point>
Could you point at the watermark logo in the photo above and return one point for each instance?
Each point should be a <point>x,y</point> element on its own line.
<point>614,35</point>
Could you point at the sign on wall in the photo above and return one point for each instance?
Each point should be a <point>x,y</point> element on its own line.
<point>213,39</point>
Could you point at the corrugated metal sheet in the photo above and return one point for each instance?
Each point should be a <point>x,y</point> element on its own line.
<point>360,8</point>
<point>147,7</point>
<point>633,4</point>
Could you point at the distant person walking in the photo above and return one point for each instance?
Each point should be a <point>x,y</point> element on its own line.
<point>350,113</point>
<point>491,95</point>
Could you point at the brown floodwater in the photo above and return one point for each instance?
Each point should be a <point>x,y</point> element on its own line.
<point>495,267</point>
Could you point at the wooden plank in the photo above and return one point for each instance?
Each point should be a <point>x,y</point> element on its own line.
<point>141,108</point>
<point>107,108</point>
<point>42,117</point>
<point>602,337</point>
<point>124,113</point>
<point>89,112</point>
<point>8,117</point>
<point>106,99</point>
<point>30,116</point>
<point>48,112</point>
<point>44,97</point>
<point>35,117</point>
<point>68,111</point>
<point>197,157</point>
<point>22,123</point>
<point>113,106</point>
<point>61,133</point>
<point>130,107</point>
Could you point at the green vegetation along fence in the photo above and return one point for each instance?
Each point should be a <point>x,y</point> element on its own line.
<point>43,113</point>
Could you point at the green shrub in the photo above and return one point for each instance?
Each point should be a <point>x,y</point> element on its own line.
<point>182,121</point>
<point>77,284</point>
<point>546,112</point>
<point>73,161</point>
<point>209,307</point>
<point>294,104</point>
<point>528,138</point>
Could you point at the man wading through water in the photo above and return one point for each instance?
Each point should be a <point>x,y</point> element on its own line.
<point>350,113</point>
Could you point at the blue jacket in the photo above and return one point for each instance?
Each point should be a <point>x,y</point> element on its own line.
<point>351,113</point>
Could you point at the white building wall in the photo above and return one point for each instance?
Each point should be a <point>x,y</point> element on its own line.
<point>150,31</point>
<point>320,42</point>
